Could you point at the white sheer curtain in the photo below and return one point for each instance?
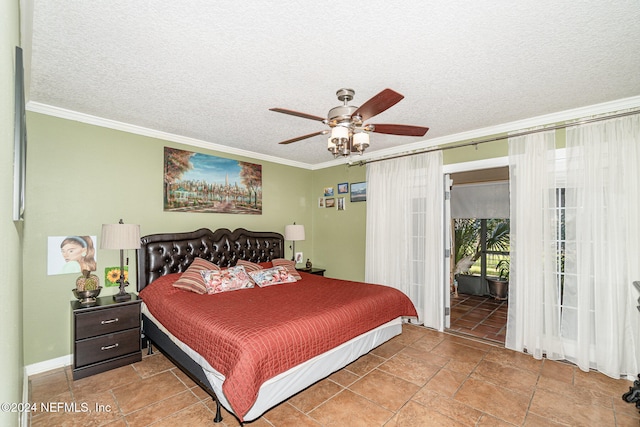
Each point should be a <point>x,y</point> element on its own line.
<point>405,240</point>
<point>533,314</point>
<point>600,323</point>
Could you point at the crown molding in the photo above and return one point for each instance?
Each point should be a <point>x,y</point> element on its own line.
<point>62,113</point>
<point>546,119</point>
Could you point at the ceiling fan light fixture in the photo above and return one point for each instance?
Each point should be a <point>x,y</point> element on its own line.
<point>339,134</point>
<point>345,149</point>
<point>331,146</point>
<point>341,137</point>
<point>340,140</point>
<point>361,141</point>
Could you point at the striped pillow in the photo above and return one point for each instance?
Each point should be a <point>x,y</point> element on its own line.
<point>289,265</point>
<point>191,279</point>
<point>249,266</point>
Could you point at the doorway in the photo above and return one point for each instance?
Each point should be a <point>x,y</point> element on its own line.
<point>479,264</point>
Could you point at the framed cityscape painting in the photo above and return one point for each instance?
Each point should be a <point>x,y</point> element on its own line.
<point>195,182</point>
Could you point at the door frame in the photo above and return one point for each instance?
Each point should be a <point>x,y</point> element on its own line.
<point>447,170</point>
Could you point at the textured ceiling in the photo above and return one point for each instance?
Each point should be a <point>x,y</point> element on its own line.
<point>210,70</point>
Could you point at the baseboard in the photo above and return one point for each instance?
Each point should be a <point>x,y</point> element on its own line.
<point>38,368</point>
<point>24,416</point>
<point>48,365</point>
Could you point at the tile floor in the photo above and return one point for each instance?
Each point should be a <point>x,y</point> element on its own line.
<point>479,316</point>
<point>419,378</point>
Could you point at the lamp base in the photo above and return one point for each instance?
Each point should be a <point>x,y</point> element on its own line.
<point>122,297</point>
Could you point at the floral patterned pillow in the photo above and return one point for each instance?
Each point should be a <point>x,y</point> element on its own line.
<point>227,279</point>
<point>272,276</point>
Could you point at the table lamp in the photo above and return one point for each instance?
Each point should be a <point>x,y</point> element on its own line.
<point>120,236</point>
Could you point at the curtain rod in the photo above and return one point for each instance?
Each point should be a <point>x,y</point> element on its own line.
<point>497,138</point>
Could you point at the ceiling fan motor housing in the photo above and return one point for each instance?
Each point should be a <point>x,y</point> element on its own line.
<point>342,114</point>
<point>345,95</point>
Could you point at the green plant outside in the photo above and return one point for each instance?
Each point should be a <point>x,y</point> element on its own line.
<point>467,243</point>
<point>493,266</point>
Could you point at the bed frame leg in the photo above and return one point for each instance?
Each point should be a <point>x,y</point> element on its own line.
<point>218,417</point>
<point>149,347</point>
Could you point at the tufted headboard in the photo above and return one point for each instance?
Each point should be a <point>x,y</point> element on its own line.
<point>166,253</point>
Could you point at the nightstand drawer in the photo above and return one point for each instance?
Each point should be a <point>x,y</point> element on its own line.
<point>113,319</point>
<point>105,347</point>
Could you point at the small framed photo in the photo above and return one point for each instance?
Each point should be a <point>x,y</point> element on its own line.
<point>343,188</point>
<point>328,192</point>
<point>321,202</point>
<point>299,257</point>
<point>340,203</point>
<point>358,191</point>
<point>330,203</point>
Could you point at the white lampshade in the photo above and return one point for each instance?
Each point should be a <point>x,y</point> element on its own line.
<point>120,236</point>
<point>361,139</point>
<point>294,232</point>
<point>340,132</point>
<point>330,144</point>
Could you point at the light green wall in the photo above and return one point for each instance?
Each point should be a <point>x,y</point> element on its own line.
<point>484,151</point>
<point>11,358</point>
<point>339,236</point>
<point>81,176</point>
<point>489,150</point>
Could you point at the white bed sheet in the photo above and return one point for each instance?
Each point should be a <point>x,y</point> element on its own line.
<point>282,386</point>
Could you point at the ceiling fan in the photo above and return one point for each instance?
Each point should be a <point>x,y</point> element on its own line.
<point>349,133</point>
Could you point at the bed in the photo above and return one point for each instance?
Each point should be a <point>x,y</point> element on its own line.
<point>254,347</point>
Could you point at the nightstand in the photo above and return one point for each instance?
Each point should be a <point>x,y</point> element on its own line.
<point>316,271</point>
<point>105,335</point>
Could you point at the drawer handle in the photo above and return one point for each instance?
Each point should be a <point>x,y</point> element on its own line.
<point>109,347</point>
<point>105,322</point>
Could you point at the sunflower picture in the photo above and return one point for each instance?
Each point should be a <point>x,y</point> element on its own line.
<point>112,275</point>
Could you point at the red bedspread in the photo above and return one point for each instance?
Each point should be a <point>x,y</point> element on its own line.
<point>251,335</point>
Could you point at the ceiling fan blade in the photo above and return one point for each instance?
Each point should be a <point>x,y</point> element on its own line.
<point>299,138</point>
<point>379,103</point>
<point>405,130</point>
<point>297,114</point>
